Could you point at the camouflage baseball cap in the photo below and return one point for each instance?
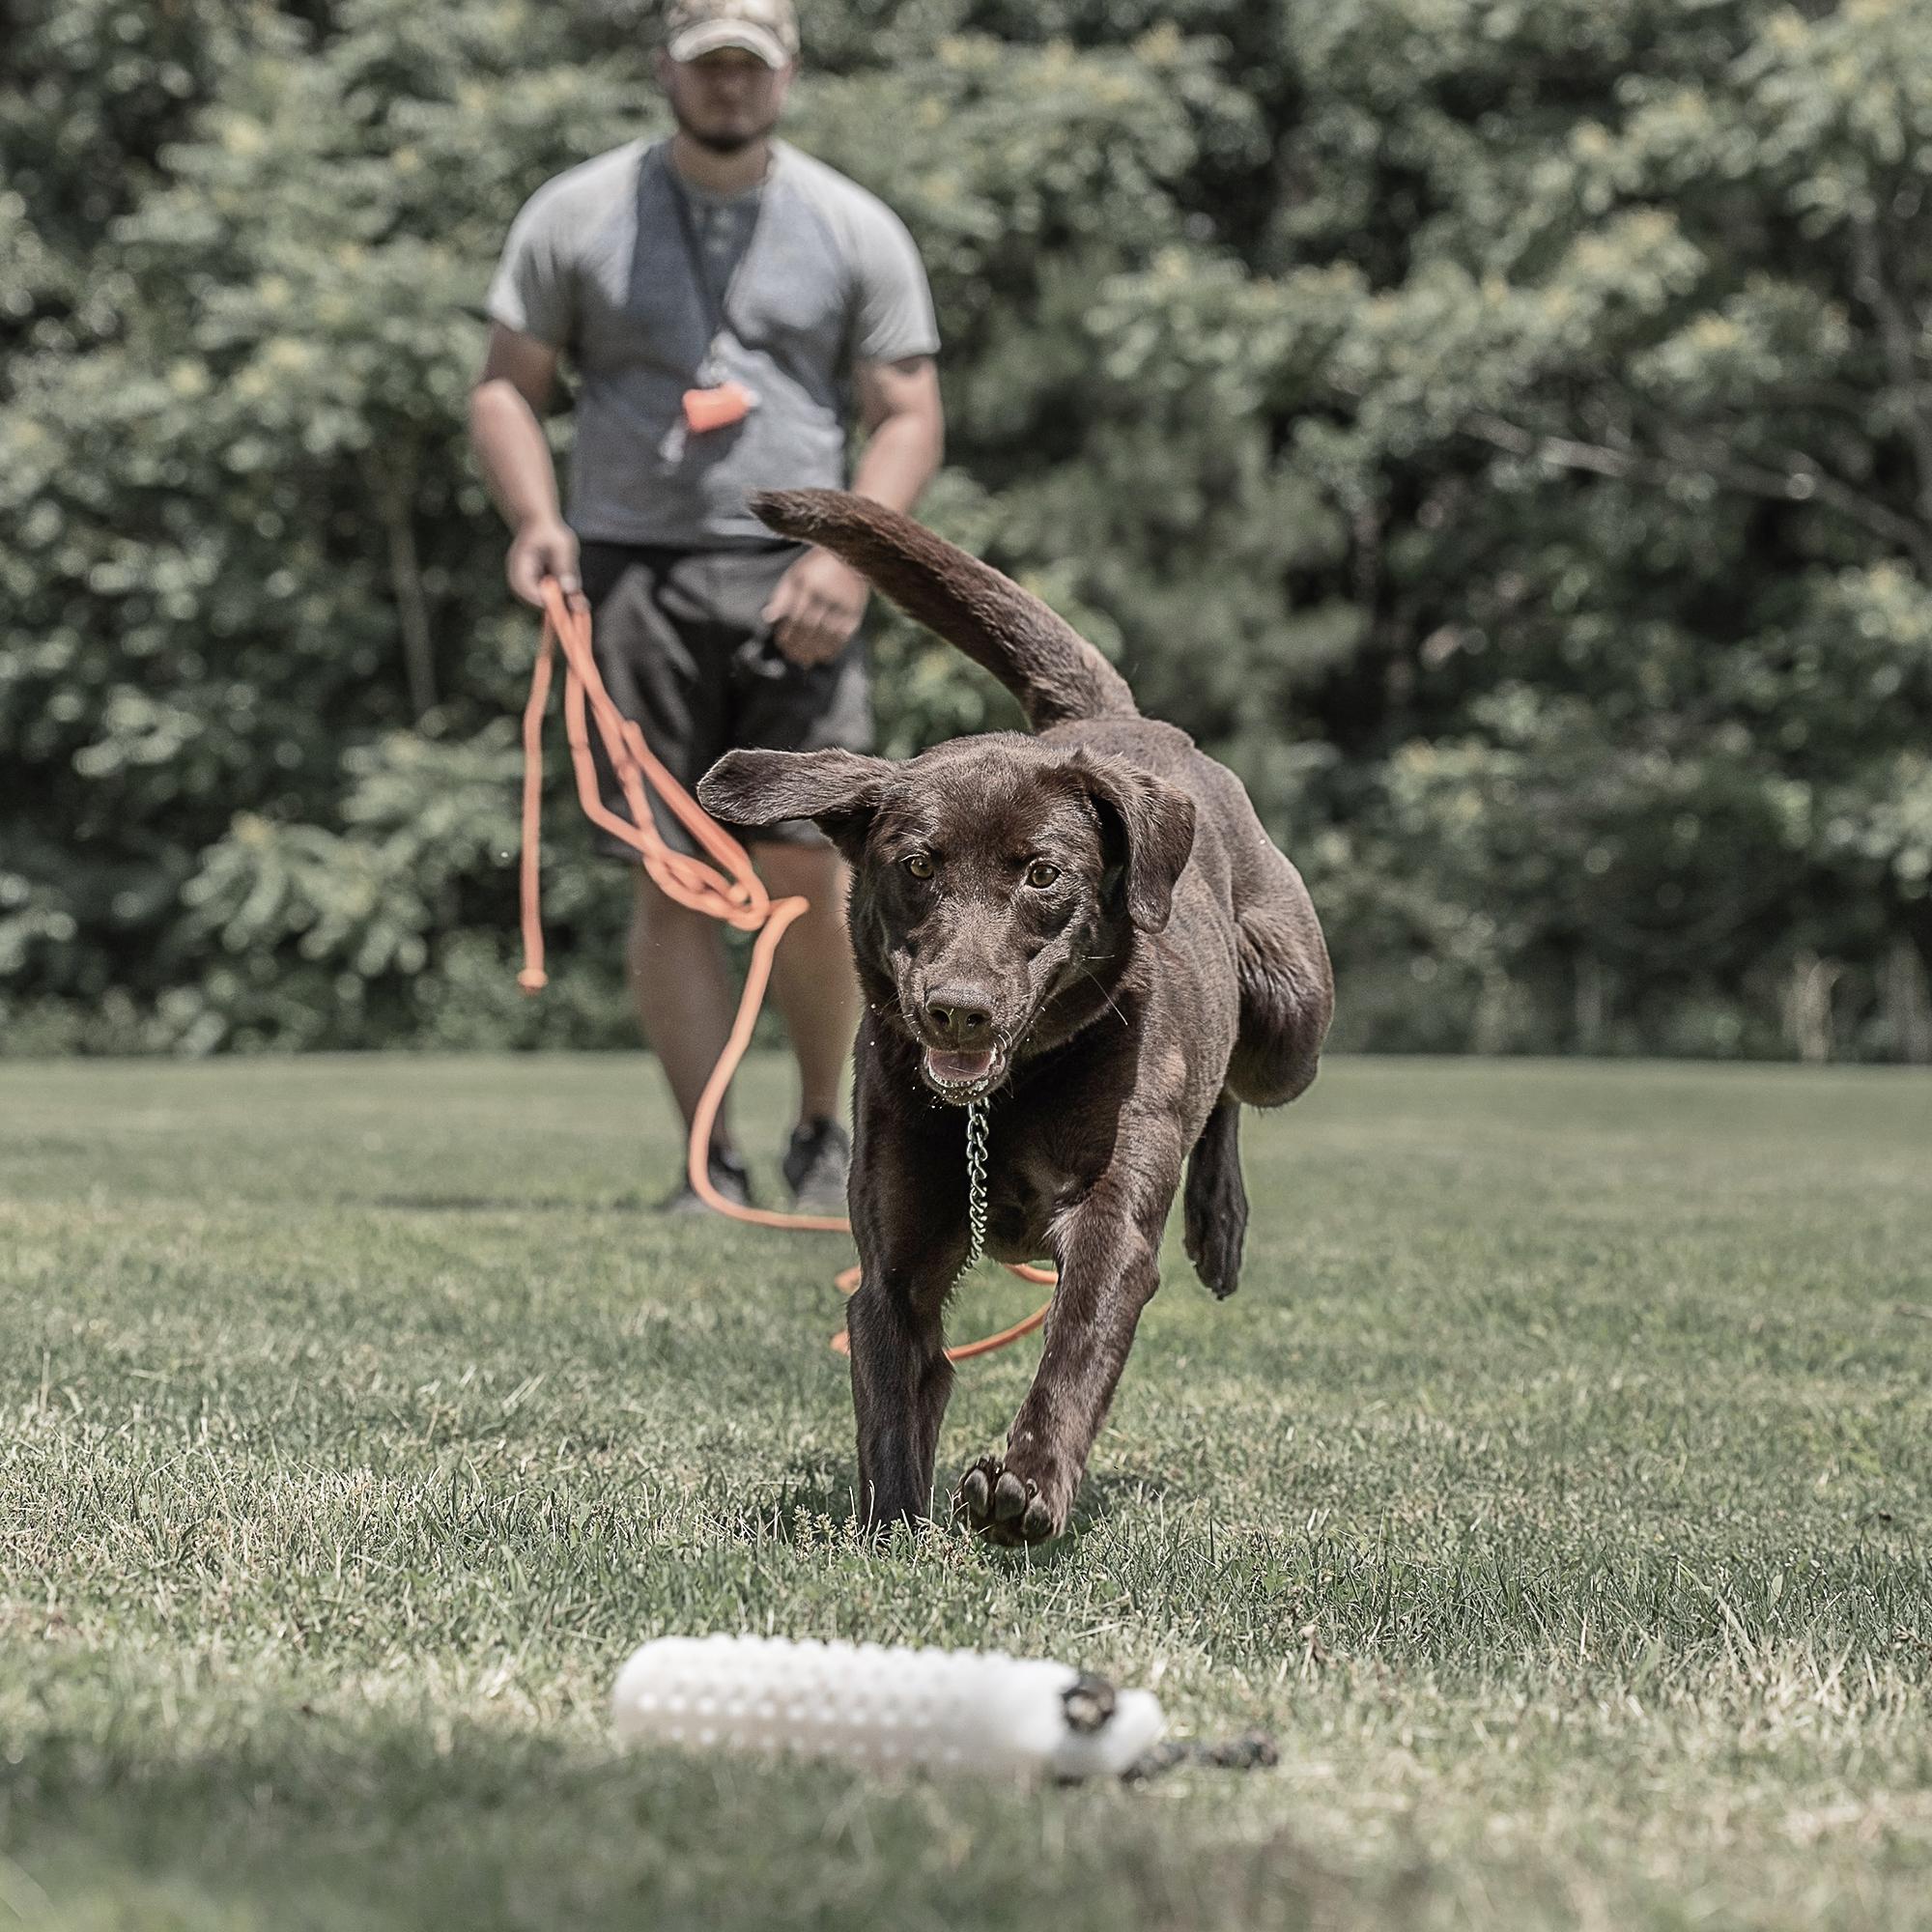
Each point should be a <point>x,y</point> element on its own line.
<point>767,28</point>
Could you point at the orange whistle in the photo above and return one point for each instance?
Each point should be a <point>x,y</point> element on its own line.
<point>715,408</point>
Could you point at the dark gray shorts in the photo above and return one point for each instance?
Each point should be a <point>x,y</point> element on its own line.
<point>684,652</point>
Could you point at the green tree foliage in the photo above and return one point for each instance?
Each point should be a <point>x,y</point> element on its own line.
<point>1503,431</point>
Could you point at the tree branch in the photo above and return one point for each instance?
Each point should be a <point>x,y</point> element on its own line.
<point>405,579</point>
<point>1800,480</point>
<point>1896,335</point>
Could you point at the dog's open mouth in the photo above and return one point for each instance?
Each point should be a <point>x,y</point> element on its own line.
<point>961,1075</point>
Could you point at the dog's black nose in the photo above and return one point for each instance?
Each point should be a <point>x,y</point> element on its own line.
<point>962,1013</point>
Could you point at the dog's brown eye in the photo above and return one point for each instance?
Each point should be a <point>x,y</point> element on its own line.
<point>1040,876</point>
<point>920,865</point>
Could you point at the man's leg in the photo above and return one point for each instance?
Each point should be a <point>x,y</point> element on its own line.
<point>812,979</point>
<point>663,670</point>
<point>681,986</point>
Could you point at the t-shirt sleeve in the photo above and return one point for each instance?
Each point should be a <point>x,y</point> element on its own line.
<point>893,317</point>
<point>533,289</point>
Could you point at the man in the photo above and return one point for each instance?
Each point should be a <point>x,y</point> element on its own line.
<point>726,302</point>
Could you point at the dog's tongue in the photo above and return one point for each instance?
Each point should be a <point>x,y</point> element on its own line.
<point>958,1070</point>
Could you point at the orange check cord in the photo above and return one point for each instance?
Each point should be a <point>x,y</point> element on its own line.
<point>728,888</point>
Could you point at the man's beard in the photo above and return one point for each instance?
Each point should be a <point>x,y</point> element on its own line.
<point>733,143</point>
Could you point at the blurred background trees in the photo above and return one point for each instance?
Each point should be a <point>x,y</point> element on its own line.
<point>1500,429</point>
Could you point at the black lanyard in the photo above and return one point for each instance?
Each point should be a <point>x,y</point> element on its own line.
<point>717,312</point>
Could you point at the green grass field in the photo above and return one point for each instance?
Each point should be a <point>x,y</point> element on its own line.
<point>1558,1488</point>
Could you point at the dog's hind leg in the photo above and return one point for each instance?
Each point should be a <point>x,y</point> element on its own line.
<point>1216,1205</point>
<point>1287,996</point>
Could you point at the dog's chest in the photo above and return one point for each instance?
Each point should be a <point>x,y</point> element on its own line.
<point>1025,1190</point>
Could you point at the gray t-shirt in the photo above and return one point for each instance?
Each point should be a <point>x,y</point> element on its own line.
<point>815,274</point>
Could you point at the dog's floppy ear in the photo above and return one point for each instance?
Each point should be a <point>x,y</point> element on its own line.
<point>1148,827</point>
<point>839,790</point>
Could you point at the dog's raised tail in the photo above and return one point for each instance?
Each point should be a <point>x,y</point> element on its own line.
<point>1046,663</point>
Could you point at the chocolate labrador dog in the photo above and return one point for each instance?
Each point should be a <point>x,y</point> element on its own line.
<point>1088,929</point>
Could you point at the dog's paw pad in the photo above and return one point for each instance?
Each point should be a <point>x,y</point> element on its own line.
<point>1003,1506</point>
<point>974,1498</point>
<point>1010,1496</point>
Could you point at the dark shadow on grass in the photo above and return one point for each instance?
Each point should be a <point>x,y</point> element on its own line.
<point>822,1507</point>
<point>810,1500</point>
<point>1101,1499</point>
<point>1120,1493</point>
<point>804,1502</point>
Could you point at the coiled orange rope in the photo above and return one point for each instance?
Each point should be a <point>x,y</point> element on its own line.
<point>728,889</point>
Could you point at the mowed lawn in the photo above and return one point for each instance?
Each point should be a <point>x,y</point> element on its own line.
<point>1558,1489</point>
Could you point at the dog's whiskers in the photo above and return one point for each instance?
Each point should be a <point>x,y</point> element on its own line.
<point>1105,994</point>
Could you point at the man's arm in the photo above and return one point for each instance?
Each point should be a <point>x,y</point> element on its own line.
<point>905,431</point>
<point>820,599</point>
<point>507,411</point>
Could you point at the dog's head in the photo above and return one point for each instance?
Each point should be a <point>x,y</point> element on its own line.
<point>991,876</point>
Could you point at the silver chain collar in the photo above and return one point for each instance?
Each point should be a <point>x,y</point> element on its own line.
<point>975,1183</point>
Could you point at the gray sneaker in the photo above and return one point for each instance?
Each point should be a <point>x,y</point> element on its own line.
<point>816,1164</point>
<point>727,1176</point>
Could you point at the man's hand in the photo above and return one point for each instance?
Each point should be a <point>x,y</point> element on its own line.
<point>545,547</point>
<point>816,607</point>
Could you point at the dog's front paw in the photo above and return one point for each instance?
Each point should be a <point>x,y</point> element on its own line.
<point>1007,1506</point>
